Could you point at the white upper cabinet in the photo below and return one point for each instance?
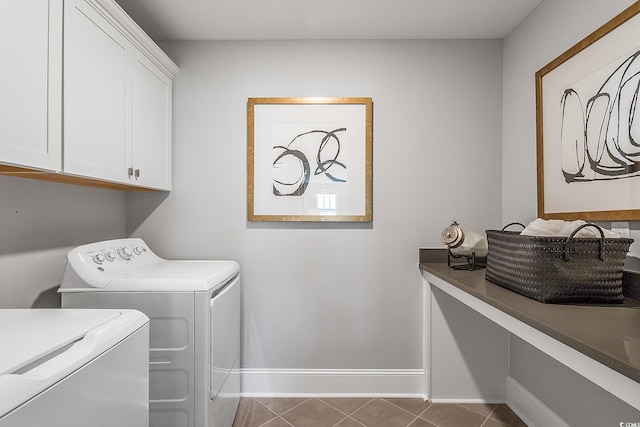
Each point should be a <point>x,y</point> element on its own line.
<point>85,95</point>
<point>151,124</point>
<point>96,88</point>
<point>117,100</point>
<point>31,89</point>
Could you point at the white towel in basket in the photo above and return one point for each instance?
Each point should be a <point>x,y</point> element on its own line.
<point>560,228</point>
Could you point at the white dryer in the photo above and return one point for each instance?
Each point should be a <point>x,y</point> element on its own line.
<point>74,368</point>
<point>194,312</point>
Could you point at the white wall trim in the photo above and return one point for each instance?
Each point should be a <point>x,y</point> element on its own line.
<point>529,408</point>
<point>426,338</point>
<point>333,382</point>
<point>463,401</point>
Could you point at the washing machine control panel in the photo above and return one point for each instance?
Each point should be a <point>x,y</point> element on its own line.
<point>95,265</point>
<point>113,258</point>
<point>115,253</point>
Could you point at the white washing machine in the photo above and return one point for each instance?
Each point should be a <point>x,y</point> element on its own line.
<point>194,312</point>
<point>74,368</point>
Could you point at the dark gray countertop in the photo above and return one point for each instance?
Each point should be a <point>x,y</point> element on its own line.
<point>606,333</point>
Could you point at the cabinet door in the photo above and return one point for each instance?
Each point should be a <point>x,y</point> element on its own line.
<point>96,95</point>
<point>151,124</point>
<point>30,93</point>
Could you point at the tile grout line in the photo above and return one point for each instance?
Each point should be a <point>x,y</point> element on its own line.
<point>409,412</point>
<point>286,422</point>
<point>288,410</point>
<point>425,410</point>
<point>356,421</point>
<point>340,421</point>
<point>365,404</point>
<point>429,421</point>
<point>478,412</point>
<point>268,409</point>
<point>352,412</point>
<point>491,413</point>
<point>415,416</point>
<point>433,422</point>
<point>347,416</point>
<point>489,417</point>
<point>413,420</point>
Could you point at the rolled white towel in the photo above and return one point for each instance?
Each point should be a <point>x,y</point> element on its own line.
<point>560,228</point>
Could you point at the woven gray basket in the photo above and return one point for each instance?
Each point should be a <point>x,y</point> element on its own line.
<point>558,269</point>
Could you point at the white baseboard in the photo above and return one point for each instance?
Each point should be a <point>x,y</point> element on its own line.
<point>529,408</point>
<point>333,382</point>
<point>463,401</point>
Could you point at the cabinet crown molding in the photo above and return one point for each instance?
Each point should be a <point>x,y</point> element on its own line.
<point>132,31</point>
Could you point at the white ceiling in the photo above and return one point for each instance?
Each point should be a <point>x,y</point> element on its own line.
<point>327,19</point>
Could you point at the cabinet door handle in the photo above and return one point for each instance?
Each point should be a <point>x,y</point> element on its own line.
<point>137,173</point>
<point>130,172</point>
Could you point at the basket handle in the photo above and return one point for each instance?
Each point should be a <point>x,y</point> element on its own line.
<point>570,239</point>
<point>513,223</point>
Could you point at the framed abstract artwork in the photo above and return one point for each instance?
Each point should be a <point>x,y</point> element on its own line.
<point>309,159</point>
<point>588,126</point>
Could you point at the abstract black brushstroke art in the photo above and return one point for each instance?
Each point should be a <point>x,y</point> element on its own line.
<point>601,139</point>
<point>588,126</point>
<point>291,166</point>
<point>309,159</point>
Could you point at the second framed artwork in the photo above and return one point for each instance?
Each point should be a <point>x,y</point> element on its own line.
<point>309,159</point>
<point>588,126</point>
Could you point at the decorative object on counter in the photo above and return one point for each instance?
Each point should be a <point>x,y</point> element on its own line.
<point>588,161</point>
<point>467,245</point>
<point>557,269</point>
<point>309,159</point>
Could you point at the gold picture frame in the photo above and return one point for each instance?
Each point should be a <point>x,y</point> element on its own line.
<point>588,160</point>
<point>310,159</point>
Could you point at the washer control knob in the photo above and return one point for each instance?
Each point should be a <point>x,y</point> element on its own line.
<point>125,253</point>
<point>98,258</point>
<point>110,256</point>
<point>137,250</point>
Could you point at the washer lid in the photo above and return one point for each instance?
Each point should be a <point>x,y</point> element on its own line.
<point>41,347</point>
<point>174,276</point>
<point>28,335</point>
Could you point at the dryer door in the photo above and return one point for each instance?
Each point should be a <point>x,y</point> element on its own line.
<point>225,334</point>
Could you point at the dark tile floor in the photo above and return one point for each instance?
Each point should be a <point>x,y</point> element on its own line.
<point>359,412</point>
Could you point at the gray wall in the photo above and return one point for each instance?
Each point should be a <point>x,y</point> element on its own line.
<point>332,296</point>
<point>39,222</point>
<point>550,29</point>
